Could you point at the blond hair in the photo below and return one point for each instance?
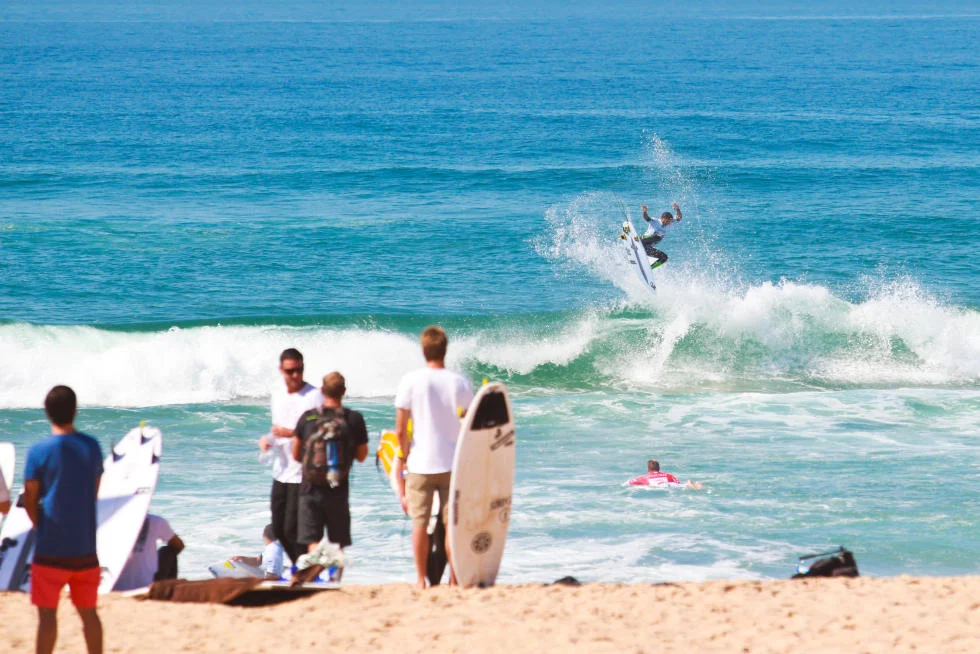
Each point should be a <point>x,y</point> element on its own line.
<point>434,343</point>
<point>334,386</point>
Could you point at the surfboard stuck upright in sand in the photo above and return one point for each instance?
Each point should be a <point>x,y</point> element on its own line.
<point>482,487</point>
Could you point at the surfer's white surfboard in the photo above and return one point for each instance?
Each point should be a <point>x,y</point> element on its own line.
<point>8,459</point>
<point>130,476</point>
<point>482,487</point>
<point>636,255</point>
<point>235,570</point>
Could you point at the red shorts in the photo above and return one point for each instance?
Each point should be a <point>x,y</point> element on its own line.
<point>47,582</point>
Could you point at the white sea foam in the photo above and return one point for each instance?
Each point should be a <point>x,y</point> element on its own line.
<point>783,334</point>
<point>182,366</point>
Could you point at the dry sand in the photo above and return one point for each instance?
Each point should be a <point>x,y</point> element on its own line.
<point>922,614</point>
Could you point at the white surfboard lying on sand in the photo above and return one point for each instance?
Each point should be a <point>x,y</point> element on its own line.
<point>17,534</point>
<point>482,487</point>
<point>235,570</point>
<point>636,255</point>
<point>128,481</point>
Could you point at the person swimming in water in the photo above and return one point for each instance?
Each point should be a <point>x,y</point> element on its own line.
<point>656,230</point>
<point>655,477</point>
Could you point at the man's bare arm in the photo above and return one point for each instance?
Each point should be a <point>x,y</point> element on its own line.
<point>402,417</point>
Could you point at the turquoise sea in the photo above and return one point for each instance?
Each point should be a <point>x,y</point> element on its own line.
<point>188,188</point>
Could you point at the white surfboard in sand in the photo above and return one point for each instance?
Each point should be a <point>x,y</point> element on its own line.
<point>482,487</point>
<point>128,481</point>
<point>16,550</point>
<point>17,534</point>
<point>8,458</point>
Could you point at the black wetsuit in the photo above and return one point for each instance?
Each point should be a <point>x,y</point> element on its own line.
<point>648,243</point>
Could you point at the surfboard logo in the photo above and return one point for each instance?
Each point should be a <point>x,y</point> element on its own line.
<point>501,439</point>
<point>496,504</point>
<point>481,542</point>
<point>502,505</point>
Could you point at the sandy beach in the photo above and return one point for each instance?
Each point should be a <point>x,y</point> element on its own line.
<point>923,614</point>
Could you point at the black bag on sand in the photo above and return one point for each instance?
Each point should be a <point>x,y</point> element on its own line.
<point>839,563</point>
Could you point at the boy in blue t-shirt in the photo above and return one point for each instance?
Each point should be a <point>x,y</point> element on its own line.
<point>61,482</point>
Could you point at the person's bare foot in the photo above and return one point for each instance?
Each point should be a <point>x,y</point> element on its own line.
<point>420,584</point>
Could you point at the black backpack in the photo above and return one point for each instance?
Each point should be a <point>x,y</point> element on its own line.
<point>839,563</point>
<point>325,456</point>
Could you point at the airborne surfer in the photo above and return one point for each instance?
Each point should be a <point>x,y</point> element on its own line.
<point>656,230</point>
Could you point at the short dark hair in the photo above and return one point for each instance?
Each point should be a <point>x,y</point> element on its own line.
<point>434,343</point>
<point>653,465</point>
<point>334,386</point>
<point>269,532</point>
<point>290,353</point>
<point>60,405</point>
<point>667,215</point>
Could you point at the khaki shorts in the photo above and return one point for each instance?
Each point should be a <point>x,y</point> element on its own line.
<point>419,491</point>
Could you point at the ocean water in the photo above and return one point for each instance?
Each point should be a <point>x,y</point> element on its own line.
<point>186,190</point>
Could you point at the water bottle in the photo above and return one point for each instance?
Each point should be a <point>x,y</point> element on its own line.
<point>333,463</point>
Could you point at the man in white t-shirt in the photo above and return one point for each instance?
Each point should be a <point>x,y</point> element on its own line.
<point>143,562</point>
<point>289,402</point>
<point>433,397</point>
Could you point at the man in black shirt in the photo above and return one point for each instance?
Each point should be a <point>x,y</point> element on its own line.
<point>327,442</point>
